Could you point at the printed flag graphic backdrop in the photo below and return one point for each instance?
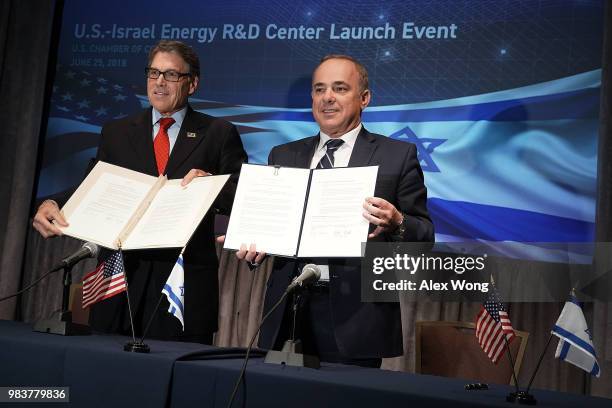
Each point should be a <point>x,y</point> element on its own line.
<point>514,160</point>
<point>488,177</point>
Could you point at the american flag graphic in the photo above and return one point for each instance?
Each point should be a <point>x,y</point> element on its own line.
<point>89,98</point>
<point>107,280</point>
<point>492,324</point>
<point>81,103</point>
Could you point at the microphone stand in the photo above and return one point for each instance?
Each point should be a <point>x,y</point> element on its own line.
<point>291,353</point>
<point>263,320</point>
<point>60,321</point>
<point>248,351</point>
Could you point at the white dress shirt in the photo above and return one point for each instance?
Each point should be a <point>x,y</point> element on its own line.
<point>341,159</point>
<point>343,154</point>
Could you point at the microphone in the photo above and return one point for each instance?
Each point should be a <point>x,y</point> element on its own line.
<point>310,274</point>
<point>88,250</point>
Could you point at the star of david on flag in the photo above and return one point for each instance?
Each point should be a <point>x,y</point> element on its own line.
<point>425,147</point>
<point>575,343</point>
<point>174,289</point>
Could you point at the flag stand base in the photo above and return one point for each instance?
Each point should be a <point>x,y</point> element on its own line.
<point>522,398</point>
<point>136,347</point>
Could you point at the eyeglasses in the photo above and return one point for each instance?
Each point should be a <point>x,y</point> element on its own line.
<point>169,75</point>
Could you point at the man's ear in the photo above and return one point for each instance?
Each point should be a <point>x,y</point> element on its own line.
<point>365,98</point>
<point>193,84</point>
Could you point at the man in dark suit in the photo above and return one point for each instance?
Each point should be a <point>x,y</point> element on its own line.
<point>169,138</point>
<point>336,324</point>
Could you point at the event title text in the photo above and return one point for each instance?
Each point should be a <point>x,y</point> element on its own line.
<point>405,31</point>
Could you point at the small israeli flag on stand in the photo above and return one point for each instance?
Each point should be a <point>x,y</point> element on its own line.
<point>174,289</point>
<point>575,344</point>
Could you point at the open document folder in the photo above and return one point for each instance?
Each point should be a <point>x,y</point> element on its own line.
<point>120,208</point>
<point>300,212</point>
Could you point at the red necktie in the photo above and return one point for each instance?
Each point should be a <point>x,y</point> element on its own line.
<point>161,144</point>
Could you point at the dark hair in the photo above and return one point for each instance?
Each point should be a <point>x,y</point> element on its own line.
<point>180,48</point>
<point>361,70</point>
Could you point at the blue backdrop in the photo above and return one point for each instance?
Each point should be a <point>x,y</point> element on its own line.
<point>500,97</point>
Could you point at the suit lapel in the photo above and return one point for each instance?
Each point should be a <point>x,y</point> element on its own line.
<point>364,148</point>
<point>304,155</point>
<point>141,139</point>
<point>188,139</point>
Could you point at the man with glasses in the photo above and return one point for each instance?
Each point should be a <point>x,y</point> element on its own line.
<point>168,138</point>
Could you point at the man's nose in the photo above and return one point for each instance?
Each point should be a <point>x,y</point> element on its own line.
<point>161,79</point>
<point>329,95</point>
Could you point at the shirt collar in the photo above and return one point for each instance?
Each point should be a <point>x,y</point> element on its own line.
<point>178,116</point>
<point>349,137</point>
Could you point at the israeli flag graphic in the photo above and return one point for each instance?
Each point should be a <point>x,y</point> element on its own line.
<point>518,164</point>
<point>575,344</point>
<point>174,289</point>
<point>515,165</point>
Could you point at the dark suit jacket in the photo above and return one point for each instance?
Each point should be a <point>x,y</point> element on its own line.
<point>217,149</point>
<point>362,330</point>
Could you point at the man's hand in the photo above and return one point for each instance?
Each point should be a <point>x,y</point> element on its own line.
<point>383,214</point>
<point>193,173</point>
<point>47,212</point>
<point>251,256</point>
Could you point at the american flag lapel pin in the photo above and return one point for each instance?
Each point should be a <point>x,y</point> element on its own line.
<point>191,134</point>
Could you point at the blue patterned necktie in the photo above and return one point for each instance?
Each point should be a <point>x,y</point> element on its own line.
<point>327,161</point>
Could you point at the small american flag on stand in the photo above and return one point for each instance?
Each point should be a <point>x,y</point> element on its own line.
<point>492,324</point>
<point>105,281</point>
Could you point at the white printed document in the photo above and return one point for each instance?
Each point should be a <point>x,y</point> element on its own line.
<point>120,208</point>
<point>300,212</point>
